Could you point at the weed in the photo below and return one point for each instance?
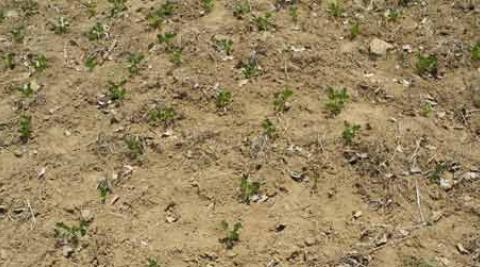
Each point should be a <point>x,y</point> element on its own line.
<point>232,235</point>
<point>241,8</point>
<point>116,90</point>
<point>166,115</point>
<point>475,51</point>
<point>248,189</point>
<point>90,62</point>
<point>426,64</point>
<point>392,14</point>
<point>134,60</point>
<point>336,100</point>
<point>437,172</point>
<point>39,62</point>
<point>264,23</point>
<point>118,7</point>
<point>280,100</point>
<point>293,12</point>
<point>26,89</point>
<point>60,26</point>
<point>334,8</point>
<point>156,17</point>
<point>223,98</point>
<point>224,45</point>
<point>18,34</point>
<point>70,234</point>
<point>97,32</point>
<point>269,128</point>
<point>354,30</point>
<point>134,146</point>
<point>350,132</point>
<point>104,189</point>
<point>176,56</point>
<point>250,69</point>
<point>25,128</point>
<point>208,5</point>
<point>9,61</point>
<point>427,109</point>
<point>151,262</point>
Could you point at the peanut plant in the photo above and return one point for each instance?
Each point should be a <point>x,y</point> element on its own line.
<point>232,236</point>
<point>336,100</point>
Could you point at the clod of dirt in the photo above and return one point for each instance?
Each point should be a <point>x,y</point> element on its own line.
<point>445,184</point>
<point>357,214</point>
<point>382,240</point>
<point>280,227</point>
<point>310,241</point>
<point>87,215</point>
<point>379,47</point>
<point>18,153</point>
<point>67,251</point>
<point>297,176</point>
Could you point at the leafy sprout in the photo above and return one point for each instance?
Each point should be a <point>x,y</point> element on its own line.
<point>208,5</point>
<point>223,98</point>
<point>25,128</point>
<point>427,65</point>
<point>269,128</point>
<point>70,234</point>
<point>18,34</point>
<point>264,23</point>
<point>475,51</point>
<point>134,60</point>
<point>336,100</point>
<point>151,262</point>
<point>176,56</point>
<point>118,7</point>
<point>224,45</point>
<point>250,69</point>
<point>248,189</point>
<point>60,26</point>
<point>166,115</point>
<point>241,8</point>
<point>104,189</point>
<point>26,89</point>
<point>9,60</point>
<point>97,32</point>
<point>354,30</point>
<point>293,12</point>
<point>437,172</point>
<point>135,146</point>
<point>350,132</point>
<point>116,90</point>
<point>280,100</point>
<point>334,8</point>
<point>39,62</point>
<point>90,62</point>
<point>158,16</point>
<point>232,235</point>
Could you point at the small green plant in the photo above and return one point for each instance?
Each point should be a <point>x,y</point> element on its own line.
<point>116,91</point>
<point>166,115</point>
<point>280,100</point>
<point>414,262</point>
<point>475,51</point>
<point>25,128</point>
<point>250,69</point>
<point>223,98</point>
<point>104,189</point>
<point>269,128</point>
<point>427,109</point>
<point>90,62</point>
<point>426,64</point>
<point>60,26</point>
<point>39,62</point>
<point>336,100</point>
<point>118,6</point>
<point>135,146</point>
<point>293,12</point>
<point>241,8</point>
<point>334,8</point>
<point>91,7</point>
<point>70,234</point>
<point>437,172</point>
<point>18,34</point>
<point>248,189</point>
<point>176,56</point>
<point>26,89</point>
<point>2,16</point>
<point>264,23</point>
<point>208,5</point>
<point>158,16</point>
<point>151,262</point>
<point>392,14</point>
<point>224,45</point>
<point>97,32</point>
<point>134,60</point>
<point>167,39</point>
<point>9,61</point>
<point>350,132</point>
<point>232,235</point>
<point>354,30</point>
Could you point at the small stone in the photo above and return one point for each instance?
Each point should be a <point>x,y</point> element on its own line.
<point>18,153</point>
<point>357,214</point>
<point>445,184</point>
<point>379,47</point>
<point>280,227</point>
<point>415,170</point>
<point>231,254</point>
<point>436,216</point>
<point>67,251</point>
<point>87,215</point>
<point>462,249</point>
<point>310,241</point>
<point>382,241</point>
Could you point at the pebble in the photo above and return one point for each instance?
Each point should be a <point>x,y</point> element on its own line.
<point>87,215</point>
<point>379,47</point>
<point>310,241</point>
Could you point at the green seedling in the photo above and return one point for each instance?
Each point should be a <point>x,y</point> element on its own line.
<point>60,26</point>
<point>437,172</point>
<point>134,60</point>
<point>336,100</point>
<point>224,45</point>
<point>427,65</point>
<point>250,69</point>
<point>475,52</point>
<point>158,16</point>
<point>208,5</point>
<point>354,30</point>
<point>350,132</point>
<point>151,262</point>
<point>280,100</point>
<point>91,7</point>
<point>9,61</point>
<point>97,32</point>
<point>70,234</point>
<point>29,7</point>
<point>223,98</point>
<point>39,62</point>
<point>248,189</point>
<point>264,23</point>
<point>176,56</point>
<point>232,235</point>
<point>26,89</point>
<point>293,12</point>
<point>427,109</point>
<point>90,62</point>
<point>18,34</point>
<point>116,91</point>
<point>392,14</point>
<point>2,16</point>
<point>104,189</point>
<point>135,147</point>
<point>118,7</point>
<point>166,115</point>
<point>334,8</point>
<point>269,128</point>
<point>167,39</point>
<point>25,128</point>
<point>241,8</point>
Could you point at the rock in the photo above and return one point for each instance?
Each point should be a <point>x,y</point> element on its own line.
<point>379,47</point>
<point>382,241</point>
<point>87,215</point>
<point>310,241</point>
<point>445,184</point>
<point>280,227</point>
<point>462,249</point>
<point>18,153</point>
<point>231,254</point>
<point>67,251</point>
<point>415,170</point>
<point>357,214</point>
